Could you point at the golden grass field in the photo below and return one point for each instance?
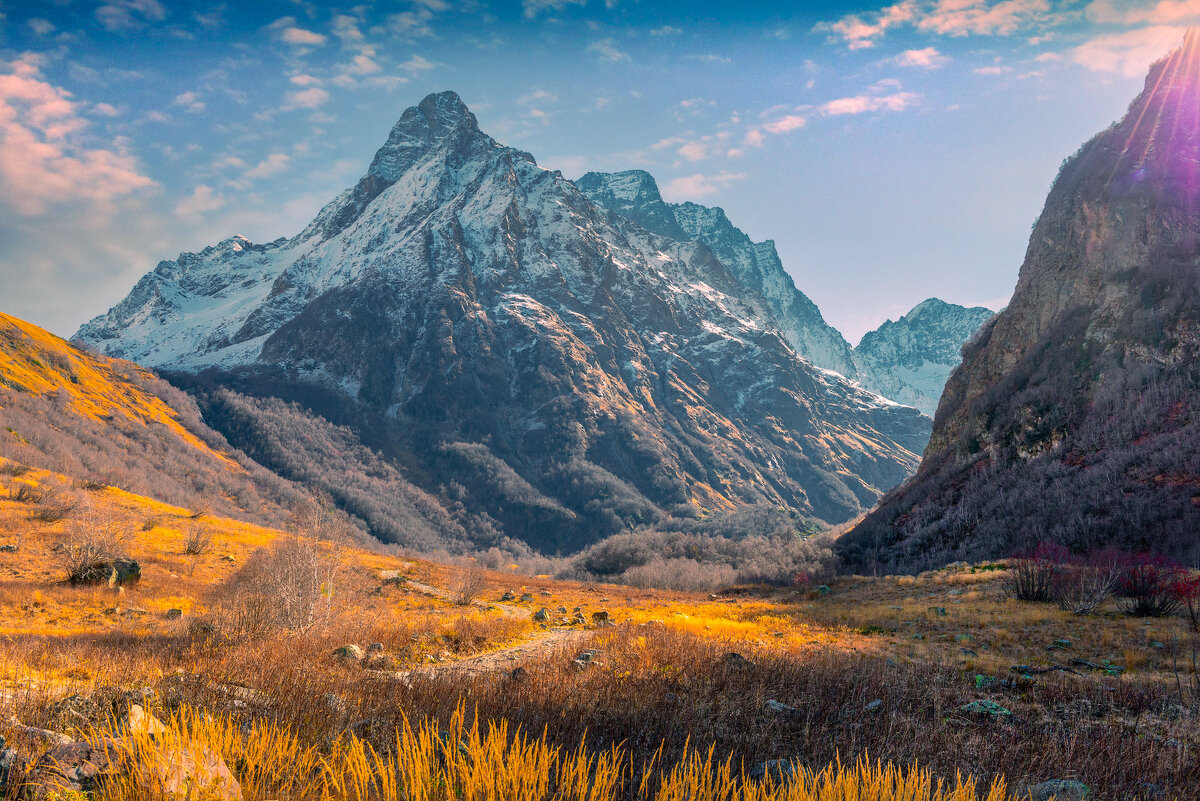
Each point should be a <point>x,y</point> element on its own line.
<point>662,712</point>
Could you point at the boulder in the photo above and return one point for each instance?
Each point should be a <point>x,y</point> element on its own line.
<point>348,653</point>
<point>508,595</point>
<point>114,572</point>
<point>779,708</point>
<point>73,768</point>
<point>541,616</point>
<point>527,598</point>
<point>734,660</point>
<point>174,614</point>
<point>601,618</point>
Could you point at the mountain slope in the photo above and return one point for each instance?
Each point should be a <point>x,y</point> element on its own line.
<point>1075,413</point>
<point>550,371</point>
<point>104,420</point>
<point>910,360</point>
<point>634,195</point>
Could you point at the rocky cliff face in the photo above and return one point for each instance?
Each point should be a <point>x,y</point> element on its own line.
<point>1074,413</point>
<point>634,195</point>
<point>551,371</point>
<point>909,360</point>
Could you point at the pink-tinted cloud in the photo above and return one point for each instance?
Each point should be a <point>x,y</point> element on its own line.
<point>962,17</point>
<point>791,122</point>
<point>41,162</point>
<point>1140,13</point>
<point>700,185</point>
<point>861,104</point>
<point>861,33</point>
<point>307,98</point>
<point>927,58</point>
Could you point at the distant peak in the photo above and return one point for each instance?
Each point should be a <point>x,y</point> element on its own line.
<point>436,118</point>
<point>634,186</point>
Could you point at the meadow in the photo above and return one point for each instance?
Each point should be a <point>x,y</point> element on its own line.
<point>237,637</point>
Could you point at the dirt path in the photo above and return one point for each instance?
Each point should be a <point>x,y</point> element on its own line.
<point>538,645</point>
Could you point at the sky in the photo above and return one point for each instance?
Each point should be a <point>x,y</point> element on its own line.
<point>893,152</point>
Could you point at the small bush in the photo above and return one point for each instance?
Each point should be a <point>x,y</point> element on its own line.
<point>471,584</point>
<point>1037,576</point>
<point>11,468</point>
<point>1149,586</point>
<point>1187,590</point>
<point>199,542</point>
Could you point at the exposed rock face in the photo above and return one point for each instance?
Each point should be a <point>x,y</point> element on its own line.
<point>634,194</point>
<point>553,372</point>
<point>909,360</point>
<point>1075,414</point>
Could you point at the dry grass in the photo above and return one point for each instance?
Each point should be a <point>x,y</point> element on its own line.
<point>661,692</point>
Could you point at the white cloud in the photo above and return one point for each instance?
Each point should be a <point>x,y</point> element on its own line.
<point>927,58</point>
<point>1129,53</point>
<point>292,34</point>
<point>607,50</point>
<point>123,15</point>
<point>106,110</point>
<point>306,98</point>
<point>345,28</point>
<point>304,80</point>
<point>411,24</point>
<point>190,101</point>
<point>41,27</point>
<point>417,64</point>
<point>272,164</point>
<point>700,185</point>
<point>862,104</point>
<point>41,164</point>
<point>202,200</point>
<point>666,30</point>
<point>993,70</point>
<point>535,7</point>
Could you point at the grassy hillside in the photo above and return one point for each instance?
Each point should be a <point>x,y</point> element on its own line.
<point>107,421</point>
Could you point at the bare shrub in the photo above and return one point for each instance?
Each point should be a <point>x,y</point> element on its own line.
<point>1037,576</point>
<point>470,585</point>
<point>1090,581</point>
<point>55,506</point>
<point>11,468</point>
<point>27,493</point>
<point>199,541</point>
<point>290,586</point>
<point>94,542</point>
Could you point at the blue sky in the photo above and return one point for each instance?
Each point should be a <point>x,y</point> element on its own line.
<point>894,152</point>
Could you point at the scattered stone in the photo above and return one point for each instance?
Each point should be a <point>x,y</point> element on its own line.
<point>51,738</point>
<point>986,708</point>
<point>601,618</point>
<point>562,610</point>
<point>73,768</point>
<point>967,652</point>
<point>8,548</point>
<point>824,589</point>
<point>577,610</point>
<point>778,708</point>
<point>508,595</point>
<point>937,611</point>
<point>546,593</point>
<point>139,721</point>
<point>348,653</point>
<point>375,648</point>
<point>956,592</point>
<point>228,558</point>
<point>984,682</point>
<point>541,616</point>
<point>518,674</point>
<point>874,706</point>
<point>1058,789</point>
<point>174,614</point>
<point>527,598</point>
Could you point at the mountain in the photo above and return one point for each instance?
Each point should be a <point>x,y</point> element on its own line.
<point>909,360</point>
<point>1075,414</point>
<point>107,421</point>
<point>552,373</point>
<point>634,195</point>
